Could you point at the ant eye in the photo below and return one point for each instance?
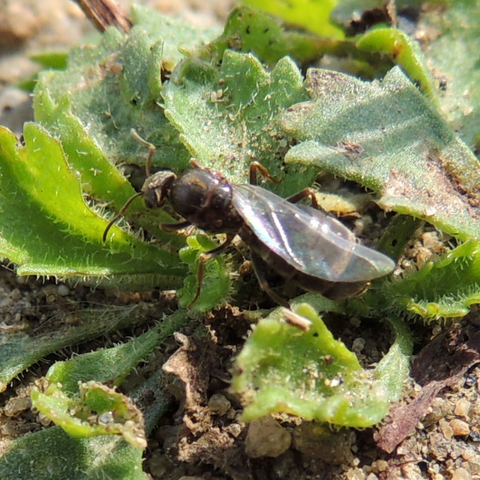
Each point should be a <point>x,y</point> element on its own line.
<point>152,198</point>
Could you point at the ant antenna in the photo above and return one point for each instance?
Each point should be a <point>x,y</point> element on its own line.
<point>148,165</point>
<point>121,214</point>
<point>151,150</point>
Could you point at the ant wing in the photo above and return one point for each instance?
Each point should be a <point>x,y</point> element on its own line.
<point>308,239</point>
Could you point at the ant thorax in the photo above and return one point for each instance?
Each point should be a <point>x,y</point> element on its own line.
<point>205,200</point>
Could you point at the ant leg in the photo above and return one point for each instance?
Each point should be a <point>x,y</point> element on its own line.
<point>257,167</point>
<point>173,227</point>
<point>204,257</point>
<point>264,284</point>
<point>307,192</point>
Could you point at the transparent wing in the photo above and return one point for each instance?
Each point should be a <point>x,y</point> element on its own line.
<point>308,239</point>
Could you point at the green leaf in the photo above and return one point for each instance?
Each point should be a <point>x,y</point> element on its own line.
<point>20,350</point>
<point>445,289</point>
<point>394,368</point>
<point>389,138</point>
<point>76,400</point>
<point>313,16</point>
<point>403,51</point>
<point>100,410</point>
<point>114,86</point>
<point>104,456</point>
<point>230,117</point>
<point>215,285</point>
<point>178,37</point>
<point>105,365</point>
<point>122,74</point>
<point>307,373</point>
<point>52,455</point>
<point>455,59</point>
<point>47,228</point>
<point>249,30</point>
<point>56,60</point>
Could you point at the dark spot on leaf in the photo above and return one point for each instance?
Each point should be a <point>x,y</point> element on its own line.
<point>442,84</point>
<point>398,50</point>
<point>248,29</point>
<point>266,30</point>
<point>315,334</point>
<point>133,102</point>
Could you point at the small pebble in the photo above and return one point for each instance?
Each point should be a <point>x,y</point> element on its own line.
<point>266,438</point>
<point>469,456</point>
<point>16,294</point>
<point>355,474</point>
<point>159,464</point>
<point>16,405</point>
<point>355,322</point>
<point>403,450</point>
<point>430,240</point>
<point>461,474</point>
<point>218,404</point>
<point>446,429</point>
<point>382,465</point>
<point>462,407</point>
<point>50,289</point>
<point>234,429</point>
<point>439,409</point>
<point>42,419</point>
<point>460,428</point>
<point>63,290</point>
<point>358,344</point>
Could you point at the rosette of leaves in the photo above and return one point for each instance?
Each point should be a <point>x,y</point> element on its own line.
<point>209,95</point>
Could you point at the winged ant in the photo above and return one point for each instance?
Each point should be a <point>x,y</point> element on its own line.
<point>299,242</point>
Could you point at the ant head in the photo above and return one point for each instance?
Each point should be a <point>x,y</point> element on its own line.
<point>154,192</point>
<point>157,188</point>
